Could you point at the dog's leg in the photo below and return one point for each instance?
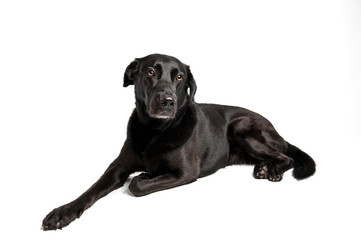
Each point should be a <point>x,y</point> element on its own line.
<point>261,141</point>
<point>113,178</point>
<point>145,184</point>
<point>62,216</point>
<point>272,165</point>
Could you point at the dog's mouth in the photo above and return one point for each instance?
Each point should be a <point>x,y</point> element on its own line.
<point>161,116</point>
<point>159,113</point>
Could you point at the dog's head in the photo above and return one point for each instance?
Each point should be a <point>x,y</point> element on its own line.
<point>161,84</point>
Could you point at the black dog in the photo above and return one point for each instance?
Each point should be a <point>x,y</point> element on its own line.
<point>174,140</point>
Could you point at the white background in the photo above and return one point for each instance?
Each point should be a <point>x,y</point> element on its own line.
<point>64,114</point>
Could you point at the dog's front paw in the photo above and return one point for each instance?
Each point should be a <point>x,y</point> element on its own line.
<point>61,217</point>
<point>139,183</point>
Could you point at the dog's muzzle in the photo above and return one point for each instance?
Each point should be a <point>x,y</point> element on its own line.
<point>163,106</point>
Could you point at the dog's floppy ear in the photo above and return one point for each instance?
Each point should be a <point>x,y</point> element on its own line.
<point>191,83</point>
<point>130,73</point>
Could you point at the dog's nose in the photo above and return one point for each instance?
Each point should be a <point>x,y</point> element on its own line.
<point>167,102</point>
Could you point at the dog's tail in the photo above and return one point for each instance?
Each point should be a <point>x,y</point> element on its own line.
<point>303,166</point>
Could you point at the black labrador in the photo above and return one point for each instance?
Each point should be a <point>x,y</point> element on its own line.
<point>174,141</point>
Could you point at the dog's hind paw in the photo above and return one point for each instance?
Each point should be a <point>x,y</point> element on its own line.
<point>275,178</point>
<point>260,171</point>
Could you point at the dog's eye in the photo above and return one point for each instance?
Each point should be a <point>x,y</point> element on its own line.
<point>151,73</point>
<point>179,78</point>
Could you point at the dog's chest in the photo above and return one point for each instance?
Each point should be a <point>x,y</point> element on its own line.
<point>150,141</point>
<point>152,145</point>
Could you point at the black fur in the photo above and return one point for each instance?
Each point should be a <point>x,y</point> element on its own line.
<point>303,166</point>
<point>174,141</point>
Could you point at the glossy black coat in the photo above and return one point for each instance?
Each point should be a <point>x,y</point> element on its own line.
<point>174,141</point>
